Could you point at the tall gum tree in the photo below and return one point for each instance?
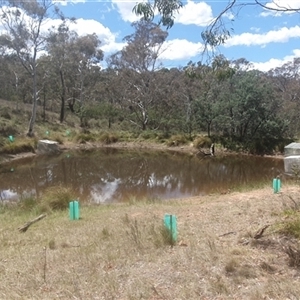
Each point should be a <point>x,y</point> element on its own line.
<point>136,65</point>
<point>22,22</point>
<point>286,84</point>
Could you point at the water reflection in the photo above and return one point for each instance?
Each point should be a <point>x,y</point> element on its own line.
<point>115,175</point>
<point>8,195</point>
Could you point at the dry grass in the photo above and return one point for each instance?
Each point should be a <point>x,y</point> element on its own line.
<point>20,145</point>
<point>119,251</point>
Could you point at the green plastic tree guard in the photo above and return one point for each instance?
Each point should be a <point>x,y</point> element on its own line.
<point>74,210</point>
<point>171,224</point>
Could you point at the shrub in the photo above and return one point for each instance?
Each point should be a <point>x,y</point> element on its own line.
<point>147,135</point>
<point>5,113</point>
<point>82,138</point>
<point>8,129</point>
<point>108,138</point>
<point>177,140</point>
<point>56,198</point>
<point>292,226</point>
<point>202,142</point>
<point>27,203</point>
<point>18,146</point>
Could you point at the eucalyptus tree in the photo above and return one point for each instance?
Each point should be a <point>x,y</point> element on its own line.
<point>108,96</point>
<point>22,22</point>
<point>207,99</point>
<point>47,85</point>
<point>8,80</point>
<point>73,58</point>
<point>181,97</point>
<point>209,81</point>
<point>86,56</point>
<point>170,110</point>
<point>135,66</point>
<point>253,110</point>
<point>285,80</point>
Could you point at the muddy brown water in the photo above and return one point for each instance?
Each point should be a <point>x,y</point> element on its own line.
<point>114,175</point>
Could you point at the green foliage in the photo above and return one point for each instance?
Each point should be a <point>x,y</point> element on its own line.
<point>257,146</point>
<point>28,203</point>
<point>261,146</point>
<point>215,37</point>
<point>166,9</point>
<point>145,9</point>
<point>147,135</point>
<point>291,226</point>
<point>92,112</point>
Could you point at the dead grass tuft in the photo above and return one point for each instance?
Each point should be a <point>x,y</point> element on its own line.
<point>293,252</point>
<point>56,198</point>
<point>19,145</point>
<point>108,138</point>
<point>267,267</point>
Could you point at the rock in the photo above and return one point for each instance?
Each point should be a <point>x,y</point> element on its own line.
<point>292,149</point>
<point>47,147</point>
<point>292,159</point>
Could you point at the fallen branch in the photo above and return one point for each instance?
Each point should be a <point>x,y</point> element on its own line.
<point>227,233</point>
<point>260,232</point>
<point>26,225</point>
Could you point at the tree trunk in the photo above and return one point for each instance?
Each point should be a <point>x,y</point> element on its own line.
<point>30,132</point>
<point>44,105</point>
<point>63,97</point>
<point>208,128</point>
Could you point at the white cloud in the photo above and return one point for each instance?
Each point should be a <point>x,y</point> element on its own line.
<point>90,26</point>
<point>107,38</point>
<point>83,27</point>
<point>125,9</point>
<point>274,63</point>
<point>112,47</point>
<point>280,5</point>
<point>178,49</point>
<point>66,2</point>
<point>255,29</point>
<point>268,65</point>
<point>199,14</point>
<point>274,36</point>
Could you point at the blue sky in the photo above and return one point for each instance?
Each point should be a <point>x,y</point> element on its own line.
<point>264,38</point>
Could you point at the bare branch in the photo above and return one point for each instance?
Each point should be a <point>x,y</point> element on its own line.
<point>278,7</point>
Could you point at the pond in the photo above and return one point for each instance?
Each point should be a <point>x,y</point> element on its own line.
<point>115,175</point>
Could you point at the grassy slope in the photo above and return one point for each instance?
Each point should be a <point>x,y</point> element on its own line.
<point>118,251</point>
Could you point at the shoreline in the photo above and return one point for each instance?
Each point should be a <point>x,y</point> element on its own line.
<point>136,145</point>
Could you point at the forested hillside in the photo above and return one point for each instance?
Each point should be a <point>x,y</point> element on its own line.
<point>59,71</point>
